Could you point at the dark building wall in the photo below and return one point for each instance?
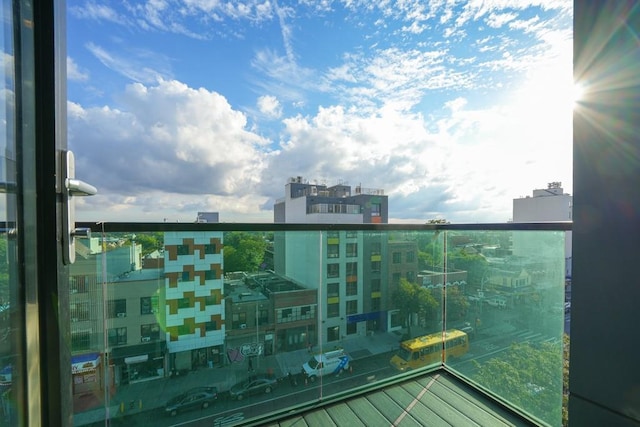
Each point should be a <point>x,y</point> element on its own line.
<point>604,370</point>
<point>295,298</point>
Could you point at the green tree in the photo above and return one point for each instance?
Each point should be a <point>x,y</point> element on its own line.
<point>243,251</point>
<point>150,242</point>
<point>411,299</point>
<point>528,376</point>
<point>474,264</point>
<point>457,302</point>
<point>431,251</point>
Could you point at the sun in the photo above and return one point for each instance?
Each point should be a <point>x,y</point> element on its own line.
<point>577,93</point>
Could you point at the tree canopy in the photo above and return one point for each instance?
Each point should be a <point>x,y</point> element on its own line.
<point>414,299</point>
<point>457,302</point>
<point>150,242</point>
<point>243,251</point>
<point>474,264</point>
<point>529,377</point>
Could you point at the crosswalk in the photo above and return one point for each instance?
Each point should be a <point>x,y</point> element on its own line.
<point>519,337</point>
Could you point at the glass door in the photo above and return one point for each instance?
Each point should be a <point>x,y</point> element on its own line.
<point>33,351</point>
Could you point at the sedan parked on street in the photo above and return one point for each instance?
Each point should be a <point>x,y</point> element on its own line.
<point>199,397</point>
<point>254,385</point>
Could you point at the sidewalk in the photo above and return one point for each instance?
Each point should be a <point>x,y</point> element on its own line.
<point>152,394</point>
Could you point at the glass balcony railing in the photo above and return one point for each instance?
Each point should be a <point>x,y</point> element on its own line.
<point>226,323</point>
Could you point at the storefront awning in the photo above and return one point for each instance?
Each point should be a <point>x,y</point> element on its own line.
<point>136,359</point>
<point>84,363</point>
<point>5,375</point>
<point>153,350</point>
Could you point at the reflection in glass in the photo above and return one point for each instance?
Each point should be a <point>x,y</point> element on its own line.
<point>145,332</point>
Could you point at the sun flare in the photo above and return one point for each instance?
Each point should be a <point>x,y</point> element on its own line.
<point>578,93</point>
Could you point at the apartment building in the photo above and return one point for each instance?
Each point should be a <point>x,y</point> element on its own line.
<point>194,298</point>
<point>131,318</point>
<point>546,204</point>
<point>268,314</point>
<point>353,267</point>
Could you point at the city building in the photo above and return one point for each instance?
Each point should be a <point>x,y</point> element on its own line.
<point>116,312</point>
<point>89,285</point>
<point>353,268</point>
<point>208,217</point>
<point>547,204</point>
<point>313,203</point>
<point>194,298</point>
<point>268,313</point>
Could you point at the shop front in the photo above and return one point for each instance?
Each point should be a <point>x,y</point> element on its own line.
<point>296,338</point>
<point>86,374</point>
<point>138,363</point>
<point>5,391</point>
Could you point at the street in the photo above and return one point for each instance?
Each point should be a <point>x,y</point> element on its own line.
<point>484,345</point>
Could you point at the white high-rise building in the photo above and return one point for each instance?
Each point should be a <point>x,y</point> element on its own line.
<point>347,267</point>
<point>548,204</point>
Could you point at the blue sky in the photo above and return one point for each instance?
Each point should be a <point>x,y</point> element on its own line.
<point>452,107</point>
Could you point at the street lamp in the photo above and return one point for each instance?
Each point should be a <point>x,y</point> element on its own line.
<point>257,336</point>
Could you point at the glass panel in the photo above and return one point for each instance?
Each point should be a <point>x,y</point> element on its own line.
<point>505,291</point>
<point>277,317</point>
<point>12,380</point>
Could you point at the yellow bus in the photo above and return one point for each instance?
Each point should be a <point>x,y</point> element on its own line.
<point>427,349</point>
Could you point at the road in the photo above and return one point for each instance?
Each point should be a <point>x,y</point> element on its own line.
<point>367,370</point>
<point>285,395</point>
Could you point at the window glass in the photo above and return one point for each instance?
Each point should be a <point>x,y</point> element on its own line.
<point>117,308</point>
<point>333,289</point>
<point>333,251</point>
<point>352,288</point>
<point>333,270</point>
<point>333,310</point>
<point>352,250</point>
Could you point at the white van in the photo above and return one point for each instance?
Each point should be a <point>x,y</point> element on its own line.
<point>332,362</point>
<point>497,302</point>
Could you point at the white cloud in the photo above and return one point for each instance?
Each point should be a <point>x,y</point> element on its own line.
<point>74,73</point>
<point>270,106</point>
<point>402,117</point>
<point>395,78</point>
<point>170,138</point>
<point>497,20</point>
<point>98,12</point>
<point>283,77</point>
<point>137,65</point>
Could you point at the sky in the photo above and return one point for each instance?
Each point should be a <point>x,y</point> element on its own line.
<point>453,108</point>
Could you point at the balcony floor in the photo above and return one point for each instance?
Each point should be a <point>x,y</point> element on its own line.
<point>435,399</point>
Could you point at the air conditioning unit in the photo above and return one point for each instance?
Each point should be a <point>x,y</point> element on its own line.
<point>122,314</point>
<point>243,326</point>
<point>145,339</point>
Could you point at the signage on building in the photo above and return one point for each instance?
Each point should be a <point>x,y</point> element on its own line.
<point>253,349</point>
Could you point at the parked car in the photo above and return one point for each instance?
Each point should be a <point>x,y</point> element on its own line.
<point>254,385</point>
<point>198,397</point>
<point>467,329</point>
